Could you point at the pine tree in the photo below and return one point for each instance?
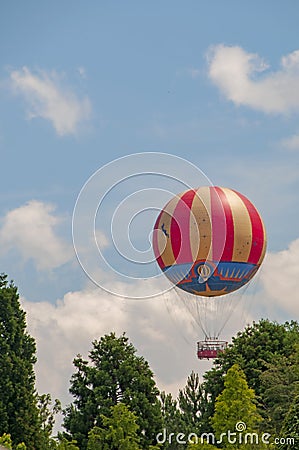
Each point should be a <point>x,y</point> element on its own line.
<point>193,404</point>
<point>172,420</point>
<point>47,413</point>
<point>19,415</point>
<point>114,374</point>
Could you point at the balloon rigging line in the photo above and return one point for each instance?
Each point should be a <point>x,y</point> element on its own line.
<point>196,317</point>
<point>171,313</point>
<point>187,302</point>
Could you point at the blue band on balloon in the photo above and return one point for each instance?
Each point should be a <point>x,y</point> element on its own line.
<point>210,278</point>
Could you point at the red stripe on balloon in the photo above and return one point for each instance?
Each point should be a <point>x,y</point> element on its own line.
<point>180,228</point>
<point>222,216</point>
<point>258,235</point>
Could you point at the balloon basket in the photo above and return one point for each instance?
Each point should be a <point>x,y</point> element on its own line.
<point>210,348</point>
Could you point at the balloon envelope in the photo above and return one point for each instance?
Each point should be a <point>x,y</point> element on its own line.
<point>209,241</point>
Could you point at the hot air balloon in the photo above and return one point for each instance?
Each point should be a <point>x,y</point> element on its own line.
<point>209,242</point>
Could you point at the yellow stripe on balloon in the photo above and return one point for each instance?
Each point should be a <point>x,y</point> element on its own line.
<point>200,225</point>
<point>264,246</point>
<point>165,251</point>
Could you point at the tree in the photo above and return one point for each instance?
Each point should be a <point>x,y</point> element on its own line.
<point>202,446</point>
<point>19,414</point>
<point>290,429</point>
<point>281,385</point>
<point>47,413</point>
<point>184,417</point>
<point>172,420</point>
<point>193,405</point>
<point>6,441</point>
<point>114,374</point>
<point>253,349</point>
<point>62,444</point>
<point>235,409</point>
<point>119,431</point>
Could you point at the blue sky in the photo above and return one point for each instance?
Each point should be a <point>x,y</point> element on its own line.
<point>82,84</point>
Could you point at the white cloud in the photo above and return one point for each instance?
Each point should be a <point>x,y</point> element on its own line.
<point>235,72</point>
<point>48,99</point>
<point>67,328</point>
<point>291,143</point>
<point>162,328</point>
<point>30,230</point>
<point>280,278</point>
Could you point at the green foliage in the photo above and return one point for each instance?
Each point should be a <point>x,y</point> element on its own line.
<point>21,446</point>
<point>62,444</point>
<point>172,419</point>
<point>119,431</point>
<point>185,416</point>
<point>114,374</point>
<point>6,441</point>
<point>290,428</point>
<point>202,446</point>
<point>18,407</point>
<point>47,413</point>
<point>281,385</point>
<point>236,404</point>
<point>253,349</point>
<point>116,402</point>
<point>193,405</point>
